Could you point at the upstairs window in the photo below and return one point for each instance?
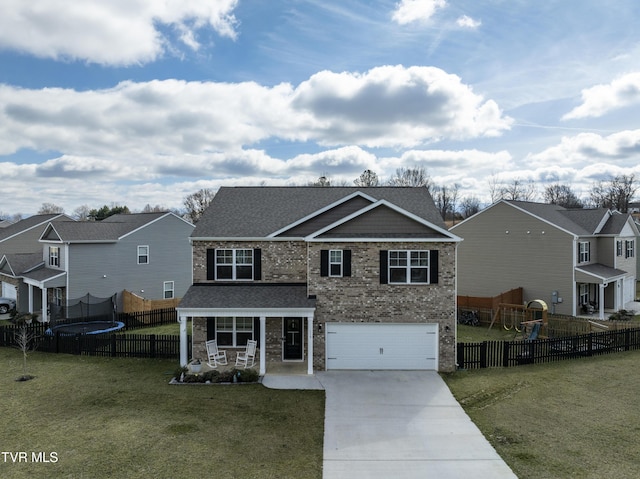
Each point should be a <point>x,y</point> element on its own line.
<point>335,263</point>
<point>629,249</point>
<point>409,267</point>
<point>584,252</point>
<point>168,289</point>
<point>234,264</point>
<point>54,256</point>
<point>619,248</point>
<point>143,254</point>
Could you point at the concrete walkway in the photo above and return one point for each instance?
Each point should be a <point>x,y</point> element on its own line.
<point>400,424</point>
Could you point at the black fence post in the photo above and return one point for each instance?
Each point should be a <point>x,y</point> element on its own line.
<point>152,346</point>
<point>505,354</point>
<point>590,344</point>
<point>627,339</point>
<point>113,346</point>
<point>461,355</point>
<point>483,355</point>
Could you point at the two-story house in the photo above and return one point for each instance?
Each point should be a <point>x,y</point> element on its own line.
<point>146,253</point>
<point>19,241</point>
<point>337,278</point>
<point>575,260</point>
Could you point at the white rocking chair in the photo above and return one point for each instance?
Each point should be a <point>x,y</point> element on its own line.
<point>214,355</point>
<point>246,358</point>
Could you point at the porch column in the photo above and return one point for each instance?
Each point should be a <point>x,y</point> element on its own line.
<point>263,345</point>
<point>45,316</point>
<point>310,344</point>
<point>31,299</point>
<point>184,345</point>
<point>601,301</point>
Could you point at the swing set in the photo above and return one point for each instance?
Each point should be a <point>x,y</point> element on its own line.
<point>521,317</point>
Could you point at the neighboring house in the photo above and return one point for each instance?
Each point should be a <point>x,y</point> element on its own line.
<point>147,253</point>
<point>22,237</point>
<point>335,277</point>
<point>566,257</point>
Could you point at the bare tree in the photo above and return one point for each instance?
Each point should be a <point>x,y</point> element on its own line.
<point>561,195</point>
<point>50,208</point>
<point>617,193</point>
<point>517,190</point>
<point>81,213</point>
<point>416,177</point>
<point>469,206</point>
<point>367,178</point>
<point>445,199</point>
<point>153,209</point>
<point>196,203</point>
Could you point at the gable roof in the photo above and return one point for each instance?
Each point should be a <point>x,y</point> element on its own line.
<point>578,221</point>
<point>15,264</point>
<point>29,223</point>
<point>109,230</point>
<point>260,212</point>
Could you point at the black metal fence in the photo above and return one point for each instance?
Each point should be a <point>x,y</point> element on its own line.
<point>107,344</point>
<point>503,354</point>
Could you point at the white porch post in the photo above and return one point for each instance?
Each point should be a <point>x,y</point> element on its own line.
<point>45,317</point>
<point>184,345</point>
<point>310,344</point>
<point>31,299</point>
<point>263,345</point>
<point>601,301</point>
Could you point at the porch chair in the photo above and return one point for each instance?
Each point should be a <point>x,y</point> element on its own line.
<point>247,357</point>
<point>214,355</point>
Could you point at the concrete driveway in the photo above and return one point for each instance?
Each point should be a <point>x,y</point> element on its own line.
<point>401,424</point>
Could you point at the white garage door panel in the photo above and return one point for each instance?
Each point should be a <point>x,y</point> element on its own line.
<point>381,346</point>
<point>9,291</point>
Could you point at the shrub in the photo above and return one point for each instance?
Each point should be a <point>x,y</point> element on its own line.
<point>622,315</point>
<point>247,375</point>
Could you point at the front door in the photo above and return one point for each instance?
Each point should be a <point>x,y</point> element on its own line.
<point>293,335</point>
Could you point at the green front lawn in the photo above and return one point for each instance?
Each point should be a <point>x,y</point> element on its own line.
<point>571,419</point>
<point>120,418</point>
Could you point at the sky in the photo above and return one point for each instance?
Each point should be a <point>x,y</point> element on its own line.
<point>143,102</point>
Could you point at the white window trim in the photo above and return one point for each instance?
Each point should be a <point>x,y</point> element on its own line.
<point>629,248</point>
<point>584,256</point>
<point>408,267</point>
<point>339,263</point>
<point>234,264</point>
<point>619,248</point>
<point>147,255</point>
<point>583,293</point>
<point>165,289</point>
<point>54,256</point>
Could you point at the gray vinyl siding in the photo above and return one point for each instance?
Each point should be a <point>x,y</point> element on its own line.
<point>104,269</point>
<point>491,261</point>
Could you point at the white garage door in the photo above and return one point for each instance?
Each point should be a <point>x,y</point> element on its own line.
<point>9,291</point>
<point>381,346</point>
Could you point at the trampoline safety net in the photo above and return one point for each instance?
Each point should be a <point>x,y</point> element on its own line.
<point>86,308</point>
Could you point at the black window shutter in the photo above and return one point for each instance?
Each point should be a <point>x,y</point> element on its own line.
<point>384,267</point>
<point>433,266</point>
<point>324,262</point>
<point>346,262</point>
<point>256,330</point>
<point>211,264</point>
<point>257,264</point>
<point>211,329</point>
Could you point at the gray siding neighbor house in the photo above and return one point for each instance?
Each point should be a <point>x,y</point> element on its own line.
<point>332,278</point>
<point>147,253</point>
<point>576,260</point>
<point>20,239</point>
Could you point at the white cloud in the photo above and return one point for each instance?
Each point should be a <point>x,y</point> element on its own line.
<point>601,99</point>
<point>467,22</point>
<point>117,32</point>
<point>409,11</point>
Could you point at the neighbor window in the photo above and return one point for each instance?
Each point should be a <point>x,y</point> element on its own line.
<point>584,293</point>
<point>168,287</point>
<point>232,331</point>
<point>630,246</point>
<point>335,262</point>
<point>584,255</point>
<point>234,264</point>
<point>143,254</point>
<point>54,256</point>
<point>57,296</point>
<point>408,267</point>
<point>619,248</point>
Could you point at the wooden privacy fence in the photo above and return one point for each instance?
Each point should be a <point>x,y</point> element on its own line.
<point>503,354</point>
<point>514,296</point>
<point>131,302</point>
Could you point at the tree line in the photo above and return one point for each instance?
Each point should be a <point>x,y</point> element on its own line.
<point>615,193</point>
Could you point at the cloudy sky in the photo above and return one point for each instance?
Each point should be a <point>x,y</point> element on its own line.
<point>138,102</point>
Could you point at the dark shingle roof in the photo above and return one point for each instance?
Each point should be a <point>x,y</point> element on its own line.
<point>581,222</point>
<point>260,211</point>
<point>241,296</point>
<point>31,222</point>
<point>109,229</point>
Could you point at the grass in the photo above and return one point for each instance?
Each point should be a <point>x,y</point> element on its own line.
<point>477,334</point>
<point>108,418</point>
<point>571,419</point>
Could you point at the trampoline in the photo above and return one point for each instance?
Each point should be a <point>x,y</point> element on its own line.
<point>89,327</point>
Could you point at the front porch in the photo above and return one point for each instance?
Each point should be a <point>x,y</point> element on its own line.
<point>279,316</point>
